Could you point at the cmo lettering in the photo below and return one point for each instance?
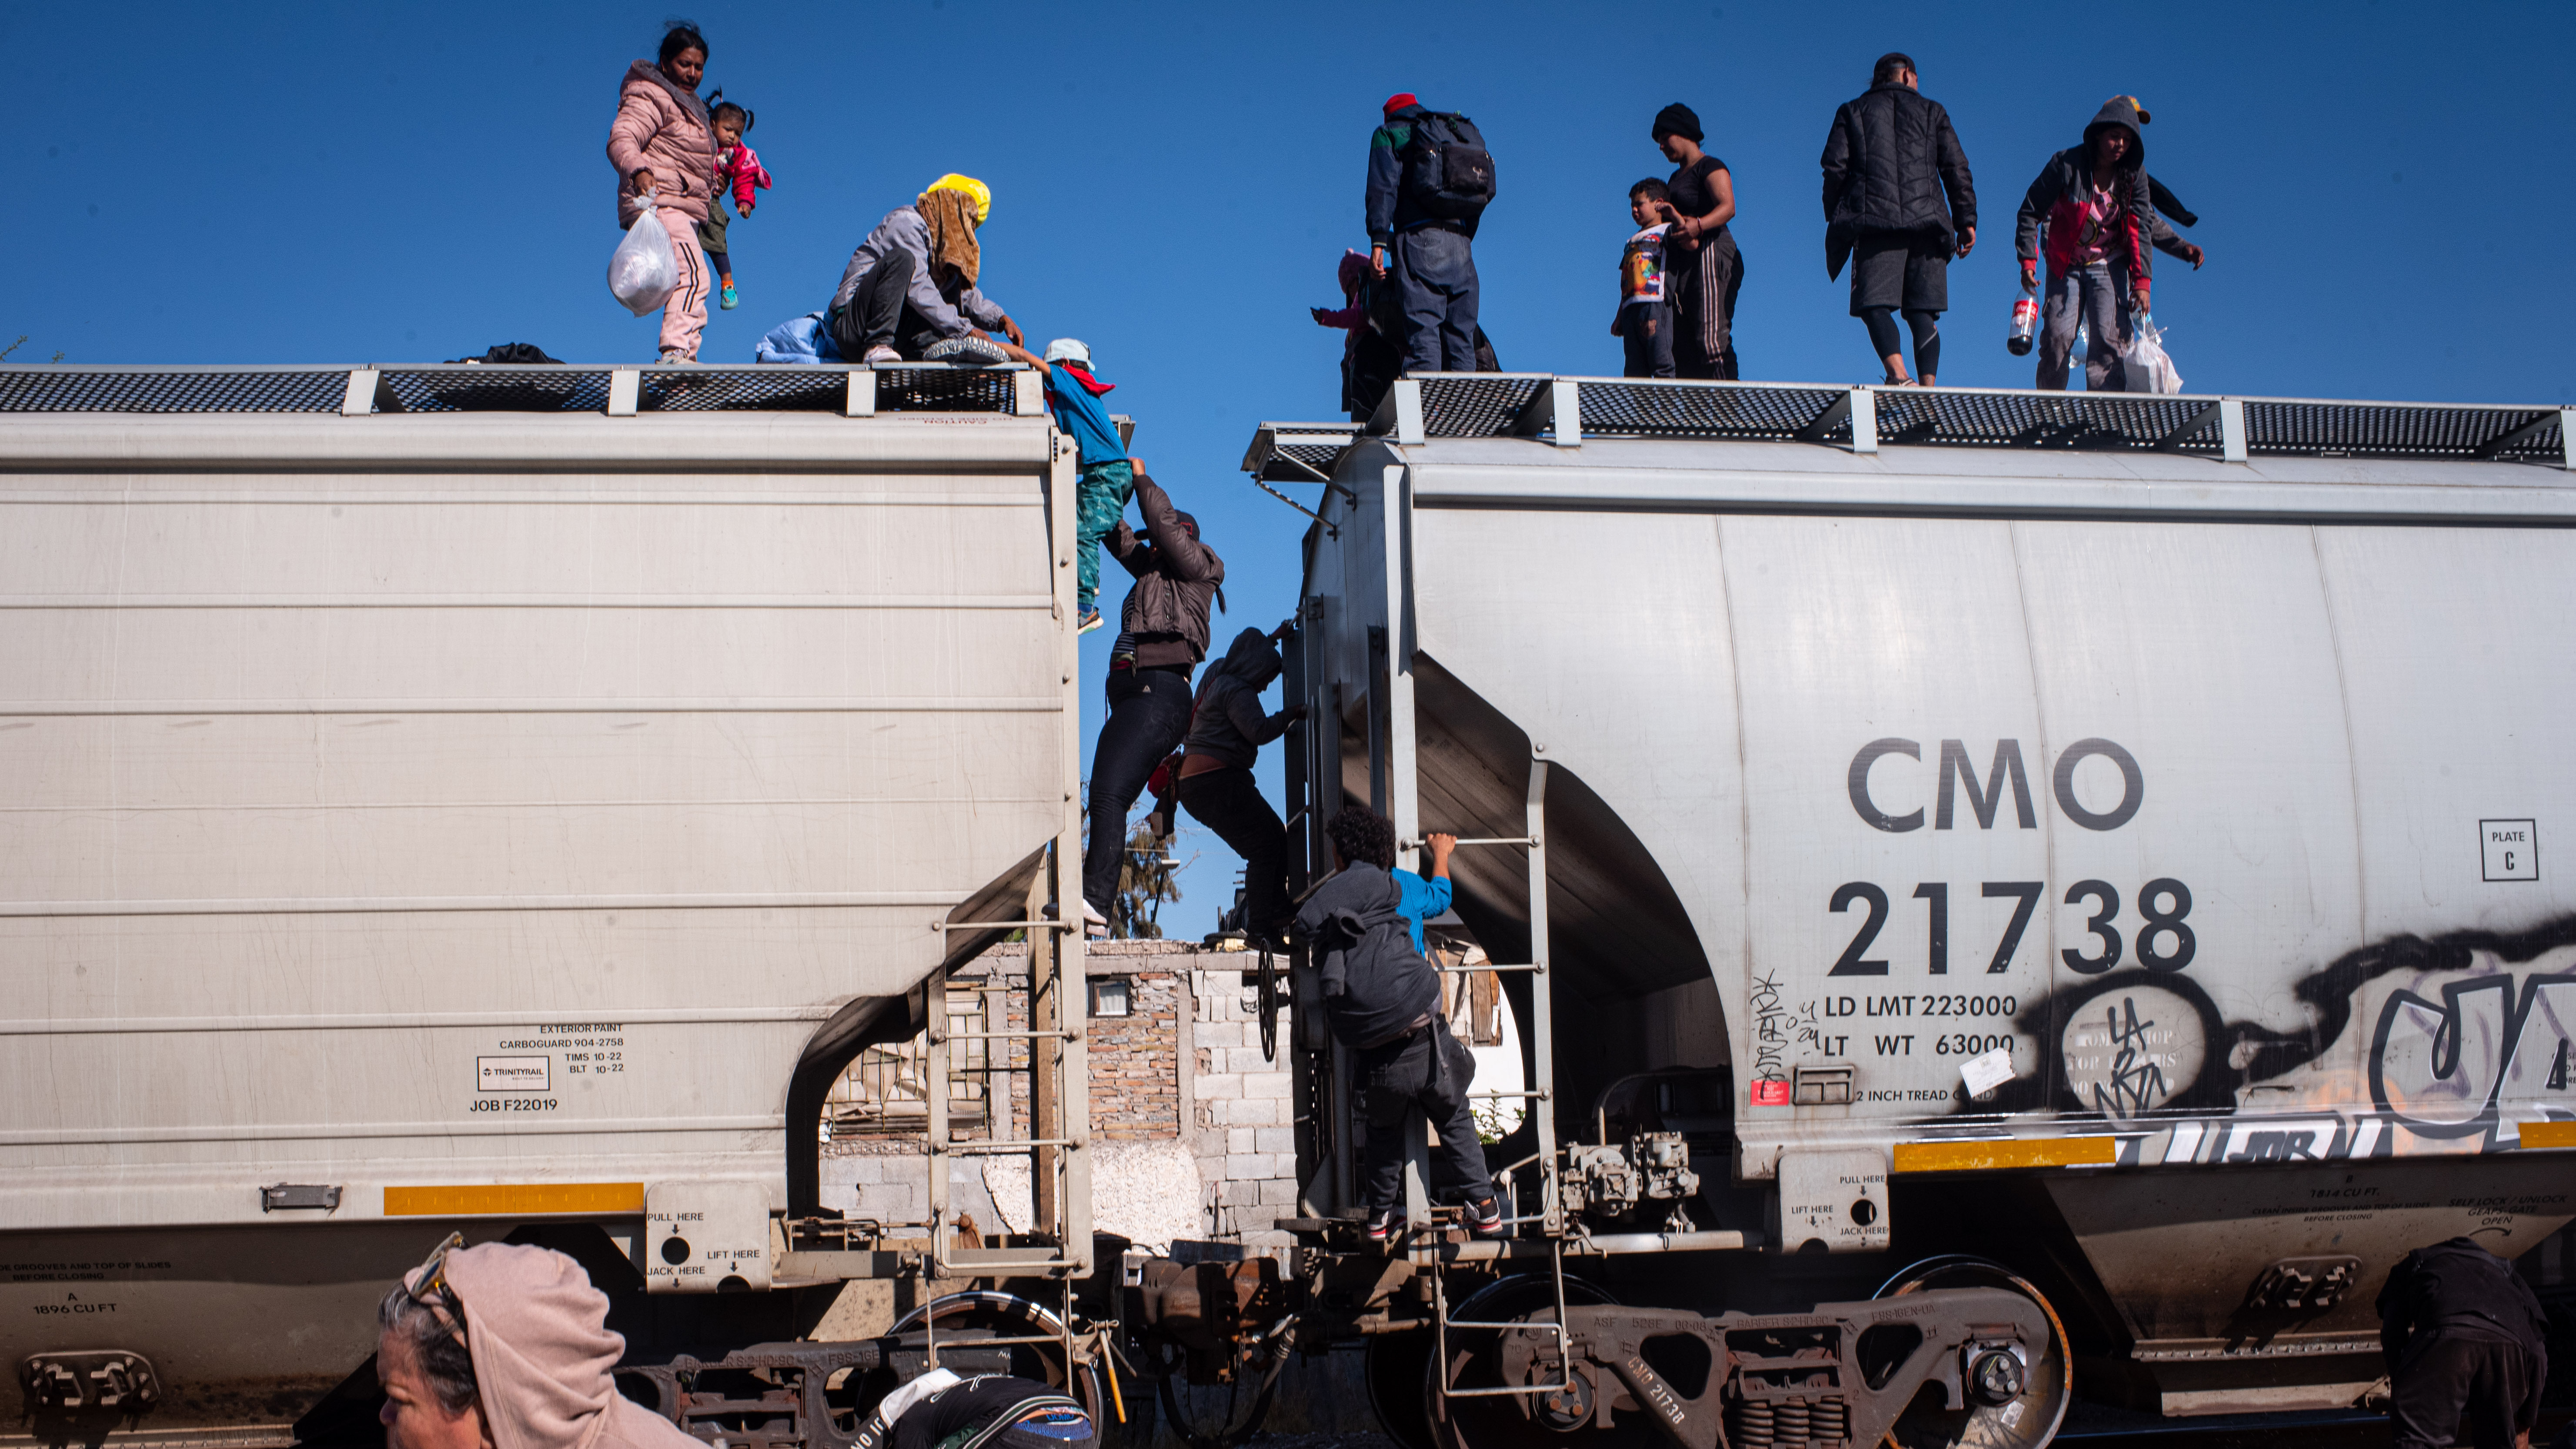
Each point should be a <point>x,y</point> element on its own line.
<point>1986,800</point>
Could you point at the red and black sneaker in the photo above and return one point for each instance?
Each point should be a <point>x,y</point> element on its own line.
<point>1384,1224</point>
<point>1485,1219</point>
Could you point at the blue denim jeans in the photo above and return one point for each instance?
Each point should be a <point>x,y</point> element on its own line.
<point>1646,337</point>
<point>2090,297</point>
<point>1434,271</point>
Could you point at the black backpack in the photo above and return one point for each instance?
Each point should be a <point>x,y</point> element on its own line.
<point>1448,173</point>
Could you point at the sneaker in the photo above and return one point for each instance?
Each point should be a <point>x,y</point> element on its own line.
<point>969,349</point>
<point>731,299</point>
<point>1091,918</point>
<point>675,359</point>
<point>882,356</point>
<point>1894,381</point>
<point>1485,1219</point>
<point>1090,621</point>
<point>1385,1223</point>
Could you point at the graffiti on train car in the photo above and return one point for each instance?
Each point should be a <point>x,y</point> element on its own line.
<point>2447,1040</point>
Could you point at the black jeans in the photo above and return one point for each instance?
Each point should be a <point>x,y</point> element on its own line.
<point>1403,1074</point>
<point>880,313</point>
<point>1227,802</point>
<point>2446,1374</point>
<point>1149,711</point>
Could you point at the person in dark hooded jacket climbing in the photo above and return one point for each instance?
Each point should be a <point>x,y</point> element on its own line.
<point>1382,999</point>
<point>1891,160</point>
<point>1227,731</point>
<point>2100,221</point>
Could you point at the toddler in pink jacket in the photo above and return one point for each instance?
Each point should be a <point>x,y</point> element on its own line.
<point>738,170</point>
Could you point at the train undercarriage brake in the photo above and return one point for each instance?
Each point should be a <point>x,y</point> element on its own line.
<point>806,1395</point>
<point>1961,1355</point>
<point>1215,1336</point>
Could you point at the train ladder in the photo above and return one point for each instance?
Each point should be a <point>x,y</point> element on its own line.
<point>1540,1095</point>
<point>1059,1121</point>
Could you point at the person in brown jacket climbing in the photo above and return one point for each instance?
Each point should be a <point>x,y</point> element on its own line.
<point>1162,636</point>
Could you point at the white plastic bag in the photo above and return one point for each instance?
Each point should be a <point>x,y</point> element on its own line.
<point>642,271</point>
<point>2144,362</point>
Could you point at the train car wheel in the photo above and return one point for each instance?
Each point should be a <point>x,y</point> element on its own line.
<point>1007,1315</point>
<point>1557,1420</point>
<point>1395,1365</point>
<point>2048,1385</point>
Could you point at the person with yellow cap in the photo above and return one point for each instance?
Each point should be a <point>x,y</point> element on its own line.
<point>909,292</point>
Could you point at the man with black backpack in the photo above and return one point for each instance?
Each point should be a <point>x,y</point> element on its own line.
<point>1429,180</point>
<point>1382,999</point>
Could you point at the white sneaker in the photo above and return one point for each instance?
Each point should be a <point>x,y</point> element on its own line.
<point>882,356</point>
<point>1093,923</point>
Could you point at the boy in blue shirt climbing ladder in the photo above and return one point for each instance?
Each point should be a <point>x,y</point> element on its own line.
<point>1108,479</point>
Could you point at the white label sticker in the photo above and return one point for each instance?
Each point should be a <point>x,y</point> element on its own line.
<point>2012,1413</point>
<point>512,1074</point>
<point>1983,1074</point>
<point>2509,849</point>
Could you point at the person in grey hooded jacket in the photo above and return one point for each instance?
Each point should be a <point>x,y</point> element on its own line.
<point>1227,731</point>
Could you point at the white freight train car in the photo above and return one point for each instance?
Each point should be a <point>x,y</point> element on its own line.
<point>2123,838</point>
<point>490,799</point>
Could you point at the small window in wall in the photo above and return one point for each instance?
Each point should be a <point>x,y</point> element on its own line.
<point>1109,997</point>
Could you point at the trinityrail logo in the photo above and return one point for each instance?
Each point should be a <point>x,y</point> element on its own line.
<point>513,1074</point>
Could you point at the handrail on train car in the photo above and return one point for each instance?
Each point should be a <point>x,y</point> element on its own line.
<point>1565,411</point>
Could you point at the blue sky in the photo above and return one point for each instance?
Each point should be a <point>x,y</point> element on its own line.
<point>2383,188</point>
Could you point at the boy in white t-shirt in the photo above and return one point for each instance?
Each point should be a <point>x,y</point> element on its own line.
<point>1644,321</point>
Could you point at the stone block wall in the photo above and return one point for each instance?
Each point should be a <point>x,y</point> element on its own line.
<point>1180,1077</point>
<point>1241,1105</point>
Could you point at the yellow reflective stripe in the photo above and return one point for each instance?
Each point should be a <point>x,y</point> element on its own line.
<point>2548,1134</point>
<point>1986,1154</point>
<point>508,1199</point>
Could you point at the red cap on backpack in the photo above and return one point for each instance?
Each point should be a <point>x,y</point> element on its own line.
<point>1399,101</point>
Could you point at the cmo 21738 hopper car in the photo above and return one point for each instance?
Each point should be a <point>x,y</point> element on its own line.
<point>2007,894</point>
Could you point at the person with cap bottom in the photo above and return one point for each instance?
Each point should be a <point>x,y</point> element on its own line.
<point>1702,269</point>
<point>1162,636</point>
<point>2463,1335</point>
<point>502,1346</point>
<point>1891,160</point>
<point>1429,178</point>
<point>909,292</point>
<point>1382,1000</point>
<point>1107,477</point>
<point>2094,205</point>
<point>1227,731</point>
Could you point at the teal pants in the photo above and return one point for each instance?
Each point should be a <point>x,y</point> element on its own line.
<point>1099,497</point>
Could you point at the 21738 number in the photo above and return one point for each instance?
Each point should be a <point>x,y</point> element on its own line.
<point>2164,938</point>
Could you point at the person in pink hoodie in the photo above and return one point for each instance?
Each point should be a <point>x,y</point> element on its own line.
<point>663,143</point>
<point>503,1346</point>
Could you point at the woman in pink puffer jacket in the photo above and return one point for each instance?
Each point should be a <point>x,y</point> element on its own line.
<point>662,142</point>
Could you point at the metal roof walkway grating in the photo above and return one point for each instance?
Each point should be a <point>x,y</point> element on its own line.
<point>1566,410</point>
<point>494,387</point>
